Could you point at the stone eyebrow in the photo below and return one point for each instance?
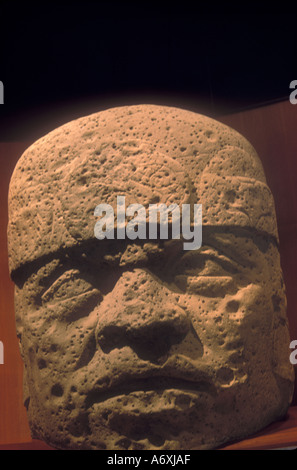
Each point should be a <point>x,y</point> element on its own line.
<point>45,263</point>
<point>86,249</point>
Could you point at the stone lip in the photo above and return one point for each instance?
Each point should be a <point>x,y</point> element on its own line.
<point>169,376</point>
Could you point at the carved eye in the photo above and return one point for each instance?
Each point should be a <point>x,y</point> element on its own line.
<point>71,297</point>
<point>205,273</point>
<point>206,262</point>
<point>211,286</point>
<point>69,284</point>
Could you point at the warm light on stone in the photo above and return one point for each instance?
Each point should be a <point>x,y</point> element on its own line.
<point>139,344</point>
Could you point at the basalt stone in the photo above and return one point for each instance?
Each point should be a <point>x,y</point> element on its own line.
<point>140,344</point>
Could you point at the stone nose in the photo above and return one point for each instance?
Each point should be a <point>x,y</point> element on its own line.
<point>143,314</point>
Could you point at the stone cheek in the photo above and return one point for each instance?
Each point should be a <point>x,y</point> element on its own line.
<point>142,345</point>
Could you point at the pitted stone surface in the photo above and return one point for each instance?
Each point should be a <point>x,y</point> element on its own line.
<point>140,344</point>
<point>151,153</point>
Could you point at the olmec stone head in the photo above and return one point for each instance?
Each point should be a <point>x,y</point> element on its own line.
<point>139,344</point>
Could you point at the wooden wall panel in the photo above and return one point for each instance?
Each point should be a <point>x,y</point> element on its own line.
<point>13,419</point>
<point>272,130</point>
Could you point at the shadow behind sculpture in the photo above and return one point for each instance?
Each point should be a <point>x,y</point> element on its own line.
<point>138,344</point>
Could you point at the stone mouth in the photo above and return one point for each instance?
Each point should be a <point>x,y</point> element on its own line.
<point>149,384</point>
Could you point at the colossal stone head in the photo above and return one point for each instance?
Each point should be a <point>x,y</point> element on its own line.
<point>141,344</point>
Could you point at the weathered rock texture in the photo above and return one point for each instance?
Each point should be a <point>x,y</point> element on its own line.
<point>140,344</point>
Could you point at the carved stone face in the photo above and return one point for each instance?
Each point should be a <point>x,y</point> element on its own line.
<point>141,344</point>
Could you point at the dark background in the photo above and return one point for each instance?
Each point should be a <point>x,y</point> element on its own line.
<point>59,60</point>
